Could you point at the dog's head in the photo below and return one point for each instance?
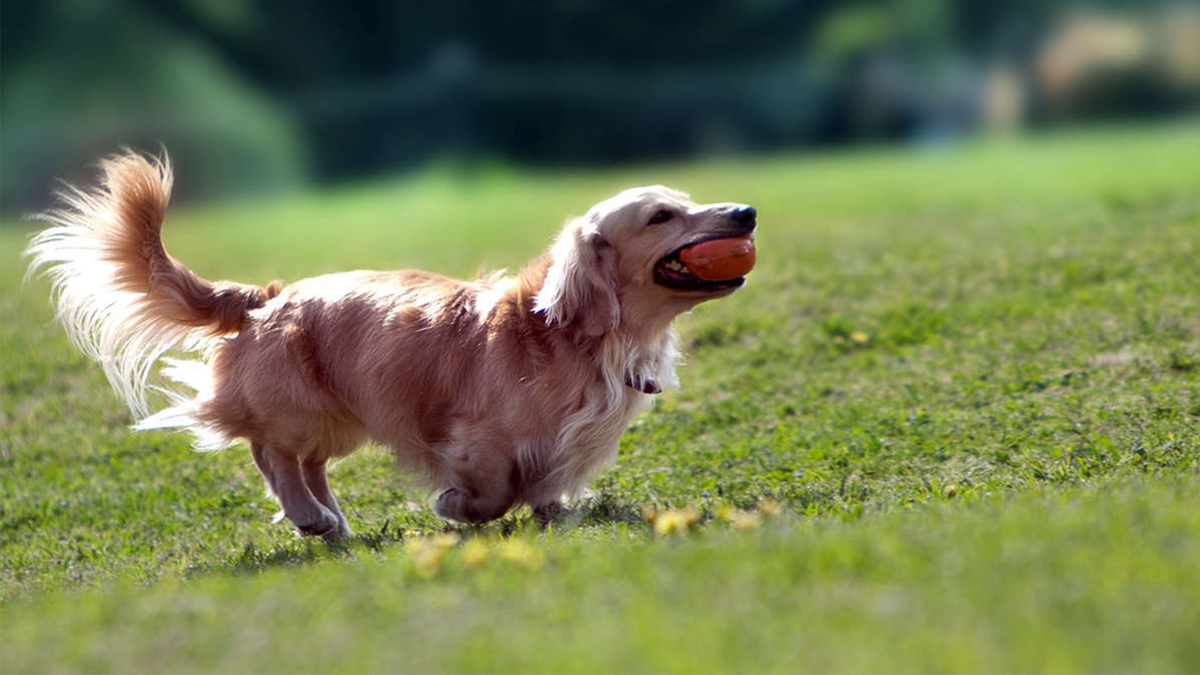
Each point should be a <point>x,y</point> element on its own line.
<point>620,262</point>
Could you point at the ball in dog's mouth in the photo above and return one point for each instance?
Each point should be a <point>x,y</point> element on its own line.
<point>711,265</point>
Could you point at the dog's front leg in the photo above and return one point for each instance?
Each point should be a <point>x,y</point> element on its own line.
<point>486,487</point>
<point>286,479</point>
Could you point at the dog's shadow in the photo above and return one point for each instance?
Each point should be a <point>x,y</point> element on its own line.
<point>596,511</point>
<point>601,510</point>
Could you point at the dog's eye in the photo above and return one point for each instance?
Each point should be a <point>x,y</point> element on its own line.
<point>661,216</point>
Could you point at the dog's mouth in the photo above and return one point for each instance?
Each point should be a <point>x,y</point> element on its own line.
<point>672,273</point>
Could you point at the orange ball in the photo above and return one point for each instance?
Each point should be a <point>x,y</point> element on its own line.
<point>720,259</point>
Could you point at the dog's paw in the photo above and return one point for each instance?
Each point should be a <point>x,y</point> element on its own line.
<point>548,513</point>
<point>449,505</point>
<point>342,531</point>
<point>326,525</point>
<point>455,505</point>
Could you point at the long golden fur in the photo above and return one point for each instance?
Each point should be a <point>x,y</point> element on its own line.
<point>499,392</point>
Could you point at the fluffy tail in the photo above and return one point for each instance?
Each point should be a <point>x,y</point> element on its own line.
<point>123,300</point>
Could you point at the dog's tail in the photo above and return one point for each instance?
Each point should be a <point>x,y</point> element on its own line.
<point>123,300</point>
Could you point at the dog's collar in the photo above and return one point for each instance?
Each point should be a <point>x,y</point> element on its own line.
<point>647,387</point>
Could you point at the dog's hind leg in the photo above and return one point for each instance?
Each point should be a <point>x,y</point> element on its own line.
<point>260,460</point>
<point>314,477</point>
<point>286,479</point>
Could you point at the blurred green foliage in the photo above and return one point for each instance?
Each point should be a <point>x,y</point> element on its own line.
<point>100,77</point>
<point>254,96</point>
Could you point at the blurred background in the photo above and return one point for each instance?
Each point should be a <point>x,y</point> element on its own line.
<point>275,95</point>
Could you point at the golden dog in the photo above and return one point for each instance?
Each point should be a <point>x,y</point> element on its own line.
<point>498,392</point>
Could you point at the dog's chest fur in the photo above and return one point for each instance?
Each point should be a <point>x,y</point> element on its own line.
<point>588,438</point>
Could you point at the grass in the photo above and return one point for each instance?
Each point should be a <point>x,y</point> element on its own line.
<point>952,423</point>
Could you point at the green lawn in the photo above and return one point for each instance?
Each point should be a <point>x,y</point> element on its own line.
<point>952,423</point>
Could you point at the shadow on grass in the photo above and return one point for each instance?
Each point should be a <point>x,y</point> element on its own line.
<point>596,511</point>
<point>606,509</point>
<point>253,560</point>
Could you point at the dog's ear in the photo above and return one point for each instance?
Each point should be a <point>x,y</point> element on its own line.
<point>581,285</point>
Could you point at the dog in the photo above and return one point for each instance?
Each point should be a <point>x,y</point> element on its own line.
<point>495,393</point>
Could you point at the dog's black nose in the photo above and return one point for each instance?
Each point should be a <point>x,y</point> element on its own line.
<point>744,215</point>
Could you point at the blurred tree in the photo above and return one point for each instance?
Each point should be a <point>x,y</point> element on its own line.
<point>254,94</point>
<point>376,84</point>
<point>81,79</point>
